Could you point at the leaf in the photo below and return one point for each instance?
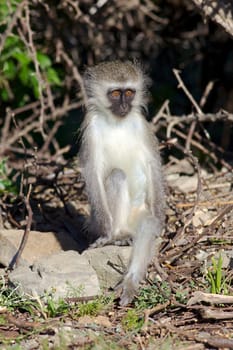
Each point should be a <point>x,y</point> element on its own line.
<point>3,166</point>
<point>44,60</point>
<point>24,74</point>
<point>35,84</point>
<point>4,95</point>
<point>9,69</point>
<point>12,40</point>
<point>53,77</point>
<point>4,10</point>
<point>22,57</point>
<point>219,274</point>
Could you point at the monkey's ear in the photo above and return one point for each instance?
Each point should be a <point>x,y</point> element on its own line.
<point>145,112</point>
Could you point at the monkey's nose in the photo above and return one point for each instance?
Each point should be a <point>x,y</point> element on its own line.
<point>124,110</point>
<point>124,106</point>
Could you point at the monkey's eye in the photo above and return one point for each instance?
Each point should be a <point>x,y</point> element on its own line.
<point>115,93</point>
<point>129,93</point>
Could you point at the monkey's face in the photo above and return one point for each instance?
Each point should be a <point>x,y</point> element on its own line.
<point>121,101</point>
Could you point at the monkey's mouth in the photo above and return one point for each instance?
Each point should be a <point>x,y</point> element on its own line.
<point>121,112</point>
<point>124,113</point>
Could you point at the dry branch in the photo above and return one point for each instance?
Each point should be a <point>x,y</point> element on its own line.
<point>150,312</point>
<point>220,11</point>
<point>210,298</point>
<point>216,314</point>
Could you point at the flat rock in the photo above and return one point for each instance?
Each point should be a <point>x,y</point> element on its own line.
<point>202,217</point>
<point>39,244</point>
<point>63,273</point>
<point>109,262</point>
<point>181,166</point>
<point>184,183</point>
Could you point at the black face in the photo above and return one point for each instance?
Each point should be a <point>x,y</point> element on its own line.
<point>121,100</point>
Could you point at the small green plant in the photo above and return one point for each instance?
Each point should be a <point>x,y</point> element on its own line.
<point>181,296</point>
<point>93,308</point>
<point>11,299</point>
<point>3,320</point>
<point>150,296</point>
<point>55,307</point>
<point>6,184</point>
<point>132,321</point>
<point>17,66</point>
<point>216,276</point>
<point>19,80</point>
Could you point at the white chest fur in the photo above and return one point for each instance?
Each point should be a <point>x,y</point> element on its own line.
<point>121,145</point>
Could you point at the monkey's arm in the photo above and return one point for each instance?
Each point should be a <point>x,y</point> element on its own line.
<point>101,219</point>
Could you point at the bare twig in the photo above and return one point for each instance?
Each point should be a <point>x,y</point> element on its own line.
<point>62,54</point>
<point>182,86</point>
<point>32,51</point>
<point>160,113</point>
<point>219,11</point>
<point>150,312</point>
<point>190,135</point>
<point>208,313</point>
<point>205,204</point>
<point>211,298</point>
<point>16,258</point>
<point>206,93</point>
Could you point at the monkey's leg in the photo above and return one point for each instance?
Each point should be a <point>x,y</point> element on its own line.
<point>145,246</point>
<point>117,193</point>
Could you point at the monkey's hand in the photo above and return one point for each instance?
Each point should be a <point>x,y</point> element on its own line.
<point>101,242</point>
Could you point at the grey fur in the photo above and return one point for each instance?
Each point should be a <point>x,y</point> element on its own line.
<point>126,196</point>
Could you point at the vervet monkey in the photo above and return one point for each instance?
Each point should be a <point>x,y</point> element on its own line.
<point>121,166</point>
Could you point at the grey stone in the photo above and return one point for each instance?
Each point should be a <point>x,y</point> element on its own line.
<point>62,272</point>
<point>109,262</point>
<point>39,244</point>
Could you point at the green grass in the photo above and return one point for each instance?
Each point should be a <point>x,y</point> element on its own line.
<point>216,277</point>
<point>95,307</point>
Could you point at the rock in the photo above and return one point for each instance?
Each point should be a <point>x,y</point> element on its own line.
<point>183,183</point>
<point>109,262</point>
<point>7,251</point>
<point>182,166</point>
<point>63,272</point>
<point>202,217</point>
<point>39,244</point>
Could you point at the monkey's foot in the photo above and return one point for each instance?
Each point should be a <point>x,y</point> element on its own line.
<point>122,242</point>
<point>103,241</point>
<point>126,291</point>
